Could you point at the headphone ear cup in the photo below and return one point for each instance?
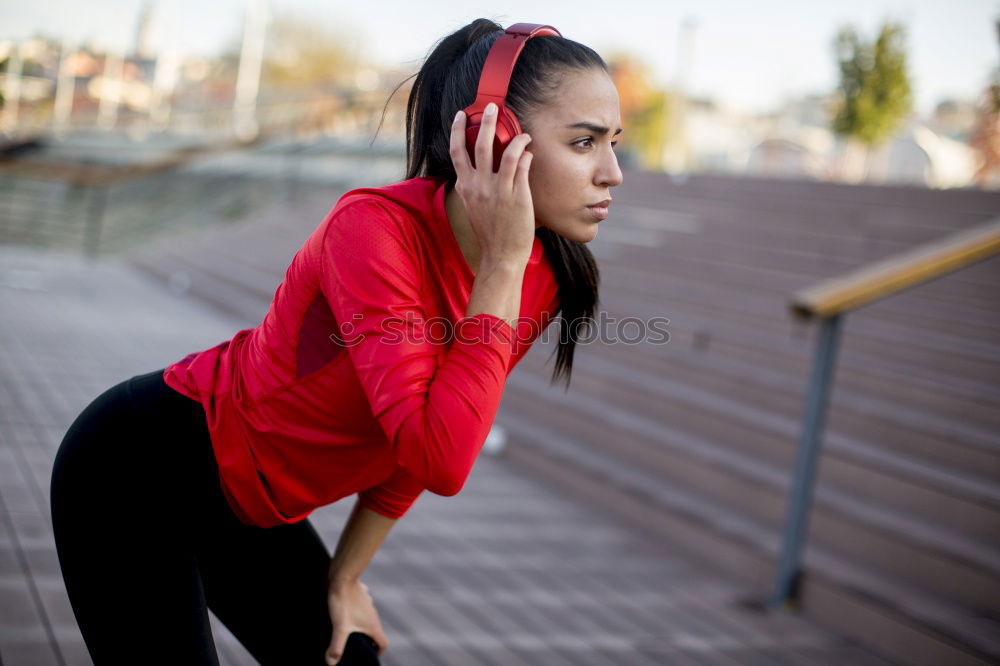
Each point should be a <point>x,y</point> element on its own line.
<point>507,128</point>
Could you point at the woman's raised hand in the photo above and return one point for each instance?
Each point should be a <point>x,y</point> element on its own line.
<point>498,205</point>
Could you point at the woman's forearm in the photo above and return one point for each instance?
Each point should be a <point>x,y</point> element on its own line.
<point>497,290</point>
<point>362,535</point>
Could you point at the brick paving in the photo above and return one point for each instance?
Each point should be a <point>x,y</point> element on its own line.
<point>511,571</point>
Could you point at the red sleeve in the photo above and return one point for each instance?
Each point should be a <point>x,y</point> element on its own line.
<point>393,497</point>
<point>435,411</point>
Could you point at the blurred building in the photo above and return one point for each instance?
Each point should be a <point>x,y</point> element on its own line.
<point>52,86</point>
<point>796,142</point>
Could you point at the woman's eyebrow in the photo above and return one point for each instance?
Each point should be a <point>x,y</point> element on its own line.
<point>596,129</point>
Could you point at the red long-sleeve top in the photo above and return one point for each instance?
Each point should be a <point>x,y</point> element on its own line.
<point>365,376</point>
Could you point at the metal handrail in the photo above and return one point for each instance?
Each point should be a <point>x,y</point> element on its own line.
<point>898,272</point>
<point>830,301</point>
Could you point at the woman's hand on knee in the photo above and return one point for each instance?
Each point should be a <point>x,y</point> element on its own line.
<point>352,609</point>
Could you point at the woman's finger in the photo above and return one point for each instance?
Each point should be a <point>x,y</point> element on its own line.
<point>484,142</point>
<point>511,156</point>
<point>337,644</point>
<point>521,176</point>
<point>459,153</point>
<point>379,637</point>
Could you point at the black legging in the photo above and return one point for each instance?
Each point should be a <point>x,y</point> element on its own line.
<point>147,541</point>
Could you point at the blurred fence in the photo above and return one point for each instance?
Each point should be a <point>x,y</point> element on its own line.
<point>102,208</point>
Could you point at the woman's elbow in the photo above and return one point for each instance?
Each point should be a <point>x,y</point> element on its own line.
<point>447,484</point>
<point>441,477</point>
<point>442,470</point>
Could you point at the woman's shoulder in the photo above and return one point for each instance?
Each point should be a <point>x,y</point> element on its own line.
<point>400,215</point>
<point>414,196</point>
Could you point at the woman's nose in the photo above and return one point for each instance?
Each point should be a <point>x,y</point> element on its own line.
<point>609,173</point>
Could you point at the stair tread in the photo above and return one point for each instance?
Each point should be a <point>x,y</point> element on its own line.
<point>903,598</point>
<point>940,539</point>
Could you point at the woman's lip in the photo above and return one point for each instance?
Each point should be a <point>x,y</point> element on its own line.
<point>600,212</point>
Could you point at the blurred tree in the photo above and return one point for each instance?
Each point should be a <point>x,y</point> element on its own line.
<point>3,68</point>
<point>302,52</point>
<point>314,77</point>
<point>644,111</point>
<point>874,94</point>
<point>985,135</point>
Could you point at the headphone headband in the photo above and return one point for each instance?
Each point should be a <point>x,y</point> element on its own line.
<point>493,84</point>
<point>495,78</point>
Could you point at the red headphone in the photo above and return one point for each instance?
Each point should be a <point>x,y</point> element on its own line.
<point>493,84</point>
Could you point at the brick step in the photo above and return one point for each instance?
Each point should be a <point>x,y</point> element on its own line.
<point>851,459</point>
<point>770,293</point>
<point>969,399</point>
<point>961,400</point>
<point>820,232</point>
<point>853,416</point>
<point>972,292</point>
<point>934,352</point>
<point>780,283</point>
<point>905,204</point>
<point>903,620</point>
<point>967,410</point>
<point>244,306</point>
<point>848,230</point>
<point>941,560</point>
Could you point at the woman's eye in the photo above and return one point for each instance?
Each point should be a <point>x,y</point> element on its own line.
<point>589,143</point>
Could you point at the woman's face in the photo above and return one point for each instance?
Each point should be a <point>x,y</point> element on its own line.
<point>574,165</point>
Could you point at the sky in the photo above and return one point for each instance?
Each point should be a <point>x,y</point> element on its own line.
<point>749,55</point>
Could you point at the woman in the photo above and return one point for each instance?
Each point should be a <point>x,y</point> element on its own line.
<point>189,487</point>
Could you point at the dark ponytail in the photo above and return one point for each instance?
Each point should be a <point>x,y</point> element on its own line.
<point>447,82</point>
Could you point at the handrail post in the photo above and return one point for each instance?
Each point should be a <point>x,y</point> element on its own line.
<point>95,219</point>
<point>830,300</point>
<point>797,520</point>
